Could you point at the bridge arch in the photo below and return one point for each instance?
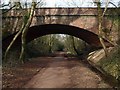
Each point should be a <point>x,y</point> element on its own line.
<point>45,29</point>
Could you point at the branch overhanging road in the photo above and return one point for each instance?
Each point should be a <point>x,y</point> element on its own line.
<point>63,72</point>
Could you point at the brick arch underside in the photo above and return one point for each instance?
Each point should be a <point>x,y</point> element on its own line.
<point>41,30</point>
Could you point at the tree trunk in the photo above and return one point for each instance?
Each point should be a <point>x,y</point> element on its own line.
<point>50,43</point>
<point>73,43</point>
<point>24,32</point>
<point>100,19</point>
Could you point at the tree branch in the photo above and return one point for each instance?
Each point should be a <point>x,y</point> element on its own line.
<point>105,8</point>
<point>8,9</point>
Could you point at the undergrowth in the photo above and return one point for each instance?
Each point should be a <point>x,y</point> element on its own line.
<point>111,64</point>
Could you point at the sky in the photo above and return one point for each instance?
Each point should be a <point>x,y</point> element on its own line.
<point>66,3</point>
<point>74,3</point>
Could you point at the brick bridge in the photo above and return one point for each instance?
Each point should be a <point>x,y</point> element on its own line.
<point>79,22</point>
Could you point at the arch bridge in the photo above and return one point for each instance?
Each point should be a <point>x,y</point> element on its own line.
<point>78,22</point>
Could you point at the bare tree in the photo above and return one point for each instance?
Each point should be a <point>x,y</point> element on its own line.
<point>25,30</point>
<point>100,20</point>
<point>8,48</point>
<point>73,44</point>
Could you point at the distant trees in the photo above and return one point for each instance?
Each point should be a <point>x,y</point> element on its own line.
<point>71,45</point>
<point>54,42</point>
<point>74,45</point>
<point>45,45</point>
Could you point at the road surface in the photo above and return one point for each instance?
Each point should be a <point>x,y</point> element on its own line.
<point>62,72</point>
